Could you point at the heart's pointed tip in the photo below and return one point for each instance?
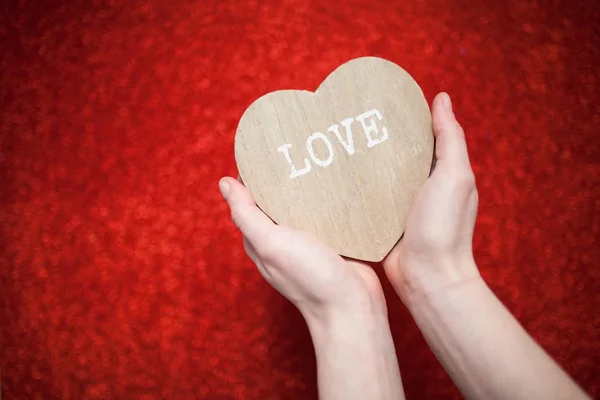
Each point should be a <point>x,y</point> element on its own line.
<point>372,257</point>
<point>382,255</point>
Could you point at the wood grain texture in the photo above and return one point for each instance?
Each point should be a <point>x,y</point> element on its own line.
<point>361,183</point>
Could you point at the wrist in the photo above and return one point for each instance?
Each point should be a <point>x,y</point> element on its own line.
<point>444,296</point>
<point>425,282</point>
<point>346,315</point>
<point>355,352</point>
<point>360,296</point>
<point>358,331</point>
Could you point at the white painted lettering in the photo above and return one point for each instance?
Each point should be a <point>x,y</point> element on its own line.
<point>373,133</point>
<point>349,143</point>
<point>309,146</point>
<point>371,128</point>
<point>285,149</point>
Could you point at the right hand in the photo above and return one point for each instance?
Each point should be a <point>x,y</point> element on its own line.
<point>436,249</point>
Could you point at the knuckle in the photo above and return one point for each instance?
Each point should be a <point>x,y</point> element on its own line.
<point>266,246</point>
<point>241,221</point>
<point>450,127</point>
<point>236,218</point>
<point>275,246</point>
<point>475,197</point>
<point>464,179</point>
<point>460,132</point>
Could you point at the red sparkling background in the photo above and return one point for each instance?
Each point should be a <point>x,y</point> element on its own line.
<point>121,275</point>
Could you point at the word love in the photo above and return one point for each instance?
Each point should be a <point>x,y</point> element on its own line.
<point>369,125</point>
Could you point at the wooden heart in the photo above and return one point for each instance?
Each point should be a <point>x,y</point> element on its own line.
<point>343,163</point>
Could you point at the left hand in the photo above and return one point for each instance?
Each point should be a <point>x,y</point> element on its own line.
<point>302,268</point>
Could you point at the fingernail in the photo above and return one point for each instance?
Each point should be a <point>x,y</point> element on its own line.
<point>224,188</point>
<point>447,102</point>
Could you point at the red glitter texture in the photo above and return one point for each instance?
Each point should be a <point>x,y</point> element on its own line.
<point>121,274</point>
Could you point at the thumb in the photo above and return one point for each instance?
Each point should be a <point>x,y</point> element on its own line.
<point>451,147</point>
<point>246,216</point>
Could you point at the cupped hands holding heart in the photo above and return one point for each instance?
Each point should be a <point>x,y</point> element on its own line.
<point>439,229</point>
<point>312,224</point>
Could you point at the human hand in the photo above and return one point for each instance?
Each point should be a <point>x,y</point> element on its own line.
<point>302,268</point>
<point>483,347</point>
<point>436,249</point>
<point>341,301</point>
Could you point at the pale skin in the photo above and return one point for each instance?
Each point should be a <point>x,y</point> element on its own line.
<point>481,345</point>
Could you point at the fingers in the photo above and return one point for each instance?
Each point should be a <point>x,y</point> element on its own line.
<point>246,216</point>
<point>451,147</point>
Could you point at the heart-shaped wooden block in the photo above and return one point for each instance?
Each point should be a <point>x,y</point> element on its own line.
<point>343,163</point>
